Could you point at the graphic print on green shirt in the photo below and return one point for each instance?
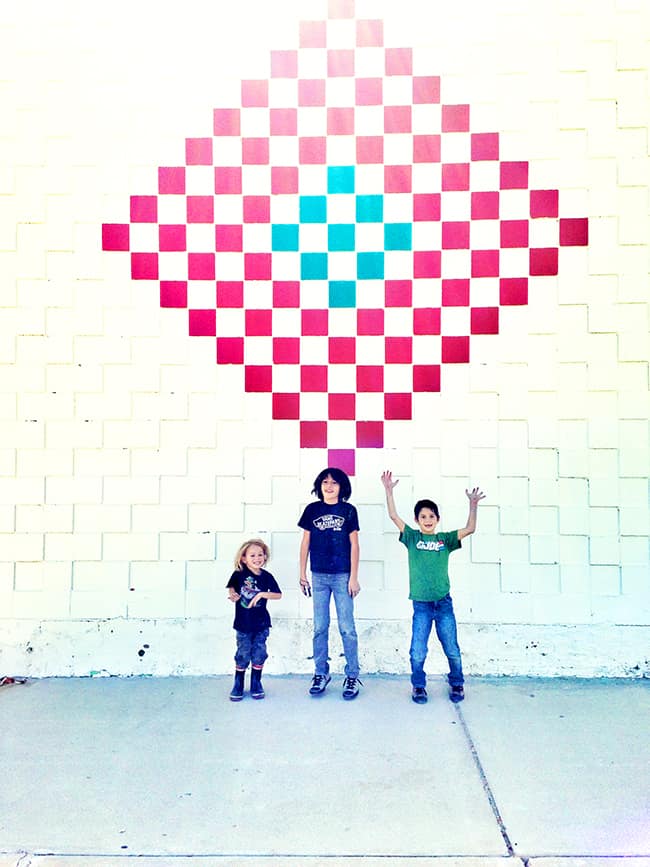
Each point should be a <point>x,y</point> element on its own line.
<point>428,555</point>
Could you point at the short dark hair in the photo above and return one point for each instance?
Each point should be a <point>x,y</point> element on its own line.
<point>338,476</point>
<point>425,504</point>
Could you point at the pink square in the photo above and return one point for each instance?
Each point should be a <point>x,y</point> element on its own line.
<point>311,92</point>
<point>227,180</point>
<point>314,322</point>
<point>341,406</point>
<point>397,406</point>
<point>514,233</point>
<point>144,266</point>
<point>370,34</point>
<point>286,406</point>
<point>284,179</point>
<point>455,118</point>
<point>340,9</point>
<point>342,458</point>
<point>370,149</point>
<point>340,121</point>
<point>202,323</point>
<point>171,238</point>
<point>485,263</point>
<point>173,293</point>
<point>574,232</point>
<point>313,34</point>
<point>286,293</point>
<point>426,320</point>
<point>200,209</point>
<point>398,179</point>
<point>340,63</point>
<point>543,262</point>
<point>455,236</point>
<point>455,350</point>
<point>313,435</point>
<point>398,350</point>
<point>312,150</point>
<point>513,176</point>
<point>485,146</point>
<point>370,377</point>
<point>398,293</point>
<point>368,91</point>
<point>230,293</point>
<point>426,90</point>
<point>257,266</point>
<point>284,64</point>
<point>426,207</point>
<point>255,151</point>
<point>230,350</point>
<point>397,118</point>
<point>455,293</point>
<point>426,148</point>
<point>544,203</point>
<point>313,377</point>
<point>258,377</point>
<point>171,180</point>
<point>484,320</point>
<point>226,121</point>
<point>370,322</point>
<point>286,350</point>
<point>284,121</point>
<point>228,239</point>
<point>485,206</point>
<point>513,291</point>
<point>200,266</point>
<point>426,377</point>
<point>198,151</point>
<point>144,209</point>
<point>115,236</point>
<point>426,263</point>
<point>257,209</point>
<point>255,94</point>
<point>342,350</point>
<point>455,176</point>
<point>370,434</point>
<point>259,323</point>
<point>399,61</point>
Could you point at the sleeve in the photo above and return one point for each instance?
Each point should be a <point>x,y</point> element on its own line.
<point>304,521</point>
<point>234,581</point>
<point>353,520</point>
<point>404,536</point>
<point>273,586</point>
<point>452,541</point>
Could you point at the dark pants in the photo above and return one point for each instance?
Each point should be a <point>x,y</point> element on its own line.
<point>251,648</point>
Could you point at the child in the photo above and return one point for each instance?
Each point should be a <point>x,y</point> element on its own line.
<point>428,557</point>
<point>249,587</point>
<point>331,542</point>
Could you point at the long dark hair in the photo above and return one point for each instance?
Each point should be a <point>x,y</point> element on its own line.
<point>338,476</point>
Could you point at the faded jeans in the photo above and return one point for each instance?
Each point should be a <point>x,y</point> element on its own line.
<point>425,614</point>
<point>251,647</point>
<point>325,586</point>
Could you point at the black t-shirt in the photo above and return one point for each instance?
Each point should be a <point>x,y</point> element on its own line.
<point>248,585</point>
<point>329,529</point>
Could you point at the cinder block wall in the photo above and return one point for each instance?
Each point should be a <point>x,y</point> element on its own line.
<point>132,464</point>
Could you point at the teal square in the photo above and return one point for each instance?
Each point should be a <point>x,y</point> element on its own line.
<point>370,266</point>
<point>398,236</point>
<point>313,209</point>
<point>370,209</point>
<point>313,266</point>
<point>342,293</point>
<point>340,237</point>
<point>284,237</point>
<point>340,179</point>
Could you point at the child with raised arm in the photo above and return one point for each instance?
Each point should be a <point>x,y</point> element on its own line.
<point>249,587</point>
<point>428,558</point>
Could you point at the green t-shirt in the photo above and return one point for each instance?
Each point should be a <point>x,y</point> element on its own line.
<point>428,561</point>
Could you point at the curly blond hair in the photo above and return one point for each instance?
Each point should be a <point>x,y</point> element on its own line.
<point>241,551</point>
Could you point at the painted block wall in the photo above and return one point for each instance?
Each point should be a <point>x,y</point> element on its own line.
<point>132,464</point>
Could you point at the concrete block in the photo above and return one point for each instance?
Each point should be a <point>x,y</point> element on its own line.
<point>544,548</point>
<point>161,577</point>
<point>14,491</point>
<point>188,489</point>
<point>130,546</point>
<point>73,546</point>
<point>133,490</point>
<point>101,577</point>
<point>634,550</point>
<point>44,462</point>
<point>41,605</point>
<point>44,519</point>
<point>187,546</point>
<point>79,433</point>
<point>89,518</point>
<point>153,605</point>
<point>135,435</point>
<point>605,579</point>
<point>75,490</point>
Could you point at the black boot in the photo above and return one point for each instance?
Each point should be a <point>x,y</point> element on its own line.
<point>237,691</point>
<point>257,690</point>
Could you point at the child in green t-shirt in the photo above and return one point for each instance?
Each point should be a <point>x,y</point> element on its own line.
<point>428,558</point>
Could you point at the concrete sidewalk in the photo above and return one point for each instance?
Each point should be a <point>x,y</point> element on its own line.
<point>168,771</point>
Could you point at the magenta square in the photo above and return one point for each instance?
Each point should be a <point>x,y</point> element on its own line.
<point>230,350</point>
<point>227,180</point>
<point>258,323</point>
<point>455,350</point>
<point>286,350</point>
<point>257,266</point>
<point>398,179</point>
<point>227,121</point>
<point>255,94</point>
<point>313,435</point>
<point>200,266</point>
<point>370,34</point>
<point>257,209</point>
<point>370,377</point>
<point>514,233</point>
<point>311,91</point>
<point>171,238</point>
<point>341,406</point>
<point>426,148</point>
<point>513,291</point>
<point>258,377</point>
<point>370,322</point>
<point>485,146</point>
<point>485,263</point>
<point>399,61</point>
<point>426,207</point>
<point>426,320</point>
<point>574,232</point>
<point>426,263</point>
<point>455,176</point>
<point>484,320</point>
<point>455,118</point>
<point>173,293</point>
<point>284,64</point>
<point>340,63</point>
<point>370,149</point>
<point>397,406</point>
<point>200,209</point>
<point>314,323</point>
<point>485,206</point>
<point>171,180</point>
<point>398,350</point>
<point>455,293</point>
<point>544,203</point>
<point>370,434</point>
<point>312,150</point>
<point>255,151</point>
<point>368,91</point>
<point>144,209</point>
<point>198,151</point>
<point>398,293</point>
<point>344,459</point>
<point>284,121</point>
<point>313,377</point>
<point>342,350</point>
<point>202,323</point>
<point>397,118</point>
<point>426,377</point>
<point>286,293</point>
<point>230,293</point>
<point>340,121</point>
<point>455,236</point>
<point>286,406</point>
<point>144,266</point>
<point>513,176</point>
<point>340,9</point>
<point>115,236</point>
<point>228,239</point>
<point>543,262</point>
<point>284,179</point>
<point>426,90</point>
<point>313,34</point>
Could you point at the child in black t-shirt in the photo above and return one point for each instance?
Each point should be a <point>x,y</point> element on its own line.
<point>249,588</point>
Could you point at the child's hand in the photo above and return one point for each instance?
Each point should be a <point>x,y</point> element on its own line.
<point>353,587</point>
<point>233,596</point>
<point>387,480</point>
<point>474,496</point>
<point>255,600</point>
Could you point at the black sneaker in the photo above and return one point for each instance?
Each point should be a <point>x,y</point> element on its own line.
<point>419,695</point>
<point>351,688</point>
<point>319,684</point>
<point>457,694</point>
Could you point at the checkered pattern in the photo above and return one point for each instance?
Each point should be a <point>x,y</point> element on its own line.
<point>343,233</point>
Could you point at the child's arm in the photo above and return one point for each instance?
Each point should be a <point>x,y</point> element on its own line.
<point>353,583</point>
<point>233,595</point>
<point>474,496</point>
<point>304,553</point>
<point>265,594</point>
<point>389,484</point>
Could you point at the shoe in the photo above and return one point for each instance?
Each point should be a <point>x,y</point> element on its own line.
<point>419,695</point>
<point>457,694</point>
<point>319,684</point>
<point>351,688</point>
<point>237,691</point>
<point>257,690</point>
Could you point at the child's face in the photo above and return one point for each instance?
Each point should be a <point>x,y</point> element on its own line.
<point>254,558</point>
<point>427,521</point>
<point>330,490</point>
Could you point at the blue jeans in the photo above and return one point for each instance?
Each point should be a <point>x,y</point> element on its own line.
<point>325,586</point>
<point>425,614</point>
<point>251,647</point>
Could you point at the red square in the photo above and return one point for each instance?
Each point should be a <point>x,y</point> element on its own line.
<point>426,264</point>
<point>284,64</point>
<point>398,293</point>
<point>284,121</point>
<point>397,118</point>
<point>227,121</point>
<point>144,209</point>
<point>485,206</point>
<point>485,263</point>
<point>455,350</point>
<point>115,236</point>
<point>455,176</point>
<point>370,322</point>
<point>286,406</point>
<point>426,148</point>
<point>340,63</point>
<point>313,34</point>
<point>227,180</point>
<point>200,209</point>
<point>485,146</point>
<point>426,320</point>
<point>171,239</point>
<point>342,350</point>
<point>484,320</point>
<point>230,350</point>
<point>200,266</point>
<point>341,406</point>
<point>513,176</point>
<point>426,90</point>
<point>399,61</point>
<point>340,121</point>
<point>455,118</point>
<point>368,91</point>
<point>284,179</point>
<point>370,434</point>
<point>426,207</point>
<point>311,92</point>
<point>257,266</point>
<point>258,377</point>
<point>230,293</point>
<point>255,94</point>
<point>340,9</point>
<point>257,209</point>
<point>171,180</point>
<point>514,233</point>
<point>543,262</point>
<point>455,293</point>
<point>426,377</point>
<point>312,150</point>
<point>202,323</point>
<point>314,323</point>
<point>544,203</point>
<point>370,34</point>
<point>144,266</point>
<point>258,323</point>
<point>344,459</point>
<point>455,236</point>
<point>313,435</point>
<point>173,293</point>
<point>370,377</point>
<point>370,149</point>
<point>313,377</point>
<point>198,151</point>
<point>255,151</point>
<point>398,406</point>
<point>574,232</point>
<point>398,179</point>
<point>513,291</point>
<point>286,350</point>
<point>286,293</point>
<point>398,350</point>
